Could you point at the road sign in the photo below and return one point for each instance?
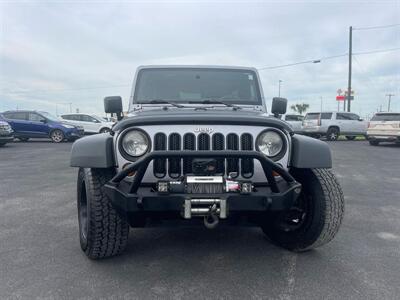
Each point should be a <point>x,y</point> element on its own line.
<point>340,98</point>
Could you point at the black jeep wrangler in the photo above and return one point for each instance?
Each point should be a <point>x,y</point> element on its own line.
<point>198,146</point>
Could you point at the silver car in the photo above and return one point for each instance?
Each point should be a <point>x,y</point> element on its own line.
<point>333,124</point>
<point>384,127</point>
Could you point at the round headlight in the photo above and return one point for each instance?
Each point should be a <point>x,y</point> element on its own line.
<point>270,143</point>
<point>135,143</point>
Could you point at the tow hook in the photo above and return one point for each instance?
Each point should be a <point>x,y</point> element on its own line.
<point>210,209</point>
<point>211,220</point>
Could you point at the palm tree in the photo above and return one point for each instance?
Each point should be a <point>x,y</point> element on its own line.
<point>300,107</point>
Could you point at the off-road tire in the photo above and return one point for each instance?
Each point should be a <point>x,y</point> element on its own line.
<point>326,210</point>
<point>332,134</point>
<point>373,143</point>
<point>107,231</point>
<point>350,137</point>
<point>57,136</point>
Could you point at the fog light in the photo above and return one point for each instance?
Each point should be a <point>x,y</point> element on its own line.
<point>163,187</point>
<point>246,187</point>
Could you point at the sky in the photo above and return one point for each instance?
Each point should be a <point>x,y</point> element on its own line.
<point>62,55</point>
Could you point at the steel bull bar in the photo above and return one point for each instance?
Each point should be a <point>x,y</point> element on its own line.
<point>134,197</point>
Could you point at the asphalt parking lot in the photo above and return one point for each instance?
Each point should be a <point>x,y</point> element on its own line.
<point>40,255</point>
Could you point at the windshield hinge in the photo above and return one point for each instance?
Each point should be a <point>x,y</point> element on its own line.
<point>137,107</point>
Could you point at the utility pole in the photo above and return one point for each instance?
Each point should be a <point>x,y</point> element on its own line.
<point>390,98</point>
<point>279,88</point>
<point>349,79</point>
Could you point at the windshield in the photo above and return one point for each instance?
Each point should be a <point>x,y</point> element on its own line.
<point>49,116</point>
<point>386,117</point>
<point>100,119</point>
<point>313,116</point>
<point>187,85</point>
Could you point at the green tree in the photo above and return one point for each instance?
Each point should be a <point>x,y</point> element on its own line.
<point>300,107</point>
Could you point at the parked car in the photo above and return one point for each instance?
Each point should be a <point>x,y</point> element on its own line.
<point>6,133</point>
<point>90,123</point>
<point>384,127</point>
<point>295,121</point>
<point>198,146</point>
<point>39,124</point>
<point>332,124</point>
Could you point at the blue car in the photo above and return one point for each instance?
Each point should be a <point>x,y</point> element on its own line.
<point>38,124</point>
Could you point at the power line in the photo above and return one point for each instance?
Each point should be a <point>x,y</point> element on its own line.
<point>326,58</point>
<point>314,61</point>
<point>376,51</point>
<point>376,27</point>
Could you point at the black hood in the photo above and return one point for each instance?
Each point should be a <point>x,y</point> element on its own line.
<point>210,117</point>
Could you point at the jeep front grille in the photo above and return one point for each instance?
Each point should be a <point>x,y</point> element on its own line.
<point>204,141</point>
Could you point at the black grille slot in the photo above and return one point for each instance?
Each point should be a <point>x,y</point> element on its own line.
<point>203,141</point>
<point>232,143</point>
<point>174,164</point>
<point>247,164</point>
<point>159,164</point>
<point>176,167</point>
<point>189,143</point>
<point>218,143</point>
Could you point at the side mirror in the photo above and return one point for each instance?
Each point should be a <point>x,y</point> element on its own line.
<point>44,121</point>
<point>279,106</point>
<point>113,105</point>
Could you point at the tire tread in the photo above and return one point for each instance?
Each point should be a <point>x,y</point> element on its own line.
<point>109,231</point>
<point>334,210</point>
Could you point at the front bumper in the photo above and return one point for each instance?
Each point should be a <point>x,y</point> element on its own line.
<point>6,136</point>
<point>137,197</point>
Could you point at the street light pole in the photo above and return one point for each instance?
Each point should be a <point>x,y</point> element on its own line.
<point>349,79</point>
<point>279,89</point>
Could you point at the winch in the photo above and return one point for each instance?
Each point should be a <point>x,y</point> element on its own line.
<point>204,185</point>
<point>213,208</point>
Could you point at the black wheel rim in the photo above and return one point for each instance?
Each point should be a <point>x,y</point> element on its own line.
<point>83,211</point>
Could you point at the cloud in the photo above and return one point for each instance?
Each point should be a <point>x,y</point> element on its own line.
<point>79,52</point>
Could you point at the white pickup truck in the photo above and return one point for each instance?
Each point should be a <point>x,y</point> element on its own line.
<point>332,124</point>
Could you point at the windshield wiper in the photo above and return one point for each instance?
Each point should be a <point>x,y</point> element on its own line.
<point>162,101</point>
<point>215,101</point>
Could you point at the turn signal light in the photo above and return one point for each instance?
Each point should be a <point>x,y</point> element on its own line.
<point>275,174</point>
<point>131,174</point>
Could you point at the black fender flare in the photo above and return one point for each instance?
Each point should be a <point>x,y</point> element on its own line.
<point>309,153</point>
<point>94,151</point>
